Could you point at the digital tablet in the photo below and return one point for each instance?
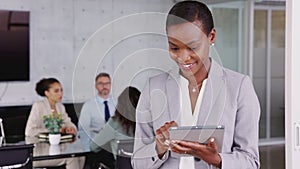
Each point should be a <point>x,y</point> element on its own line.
<point>198,134</point>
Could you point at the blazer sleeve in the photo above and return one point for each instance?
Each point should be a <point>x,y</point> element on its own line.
<point>245,153</point>
<point>145,155</point>
<point>34,124</point>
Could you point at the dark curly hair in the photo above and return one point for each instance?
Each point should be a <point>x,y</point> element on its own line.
<point>44,84</point>
<point>189,11</point>
<point>125,110</point>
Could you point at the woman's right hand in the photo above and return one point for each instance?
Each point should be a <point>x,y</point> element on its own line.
<point>162,134</point>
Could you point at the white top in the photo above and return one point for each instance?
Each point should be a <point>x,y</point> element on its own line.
<point>189,118</point>
<point>92,116</point>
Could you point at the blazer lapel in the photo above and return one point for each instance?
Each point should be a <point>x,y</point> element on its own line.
<point>173,95</point>
<point>212,107</point>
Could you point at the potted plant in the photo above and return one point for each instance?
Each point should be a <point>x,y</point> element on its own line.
<point>53,123</point>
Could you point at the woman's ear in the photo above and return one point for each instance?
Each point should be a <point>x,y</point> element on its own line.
<point>212,36</point>
<point>46,93</point>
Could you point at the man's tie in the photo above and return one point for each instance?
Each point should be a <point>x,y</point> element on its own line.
<point>106,110</point>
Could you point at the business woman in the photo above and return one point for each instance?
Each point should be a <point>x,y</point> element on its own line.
<point>121,126</point>
<point>199,92</point>
<point>51,89</point>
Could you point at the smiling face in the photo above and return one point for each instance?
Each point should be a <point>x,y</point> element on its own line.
<point>54,93</point>
<point>189,48</point>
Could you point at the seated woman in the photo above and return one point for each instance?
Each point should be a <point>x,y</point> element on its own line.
<point>52,90</point>
<point>122,125</point>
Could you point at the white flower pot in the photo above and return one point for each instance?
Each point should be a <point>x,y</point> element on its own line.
<point>54,149</point>
<point>54,139</point>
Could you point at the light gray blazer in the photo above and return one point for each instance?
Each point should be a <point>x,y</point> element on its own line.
<point>35,123</point>
<point>229,99</point>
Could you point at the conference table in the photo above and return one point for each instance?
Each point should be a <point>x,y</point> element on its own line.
<point>44,151</point>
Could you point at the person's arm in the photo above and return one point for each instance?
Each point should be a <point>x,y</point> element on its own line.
<point>245,142</point>
<point>104,136</point>
<point>68,126</point>
<point>34,124</point>
<point>145,154</point>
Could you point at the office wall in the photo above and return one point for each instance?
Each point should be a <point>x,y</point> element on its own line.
<point>60,29</point>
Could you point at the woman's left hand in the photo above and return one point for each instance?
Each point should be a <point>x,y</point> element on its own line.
<point>68,130</point>
<point>207,152</point>
<point>71,130</point>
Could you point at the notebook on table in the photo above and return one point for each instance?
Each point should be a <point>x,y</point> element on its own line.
<point>64,137</point>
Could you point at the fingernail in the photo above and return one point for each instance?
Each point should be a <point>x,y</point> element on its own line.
<point>174,141</point>
<point>167,142</point>
<point>212,139</point>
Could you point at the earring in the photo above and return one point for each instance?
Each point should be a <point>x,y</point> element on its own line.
<point>213,44</point>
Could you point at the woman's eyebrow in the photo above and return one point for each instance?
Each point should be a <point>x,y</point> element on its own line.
<point>172,43</point>
<point>193,41</point>
<point>189,43</point>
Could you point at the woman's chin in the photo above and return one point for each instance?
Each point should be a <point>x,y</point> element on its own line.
<point>186,72</point>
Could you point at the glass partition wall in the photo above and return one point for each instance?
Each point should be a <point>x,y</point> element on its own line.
<point>251,40</point>
<point>230,42</point>
<point>268,75</point>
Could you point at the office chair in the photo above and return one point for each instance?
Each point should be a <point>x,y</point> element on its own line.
<point>124,154</point>
<point>16,156</point>
<point>2,135</point>
<point>2,129</point>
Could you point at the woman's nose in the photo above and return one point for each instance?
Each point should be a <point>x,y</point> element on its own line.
<point>184,56</point>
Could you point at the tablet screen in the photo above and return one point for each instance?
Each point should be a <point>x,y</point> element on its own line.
<point>198,134</point>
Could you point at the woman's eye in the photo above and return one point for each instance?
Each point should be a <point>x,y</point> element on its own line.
<point>174,48</point>
<point>193,48</point>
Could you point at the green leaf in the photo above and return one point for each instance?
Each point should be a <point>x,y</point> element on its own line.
<point>53,122</point>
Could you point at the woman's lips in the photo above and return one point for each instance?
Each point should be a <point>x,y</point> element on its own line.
<point>187,66</point>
